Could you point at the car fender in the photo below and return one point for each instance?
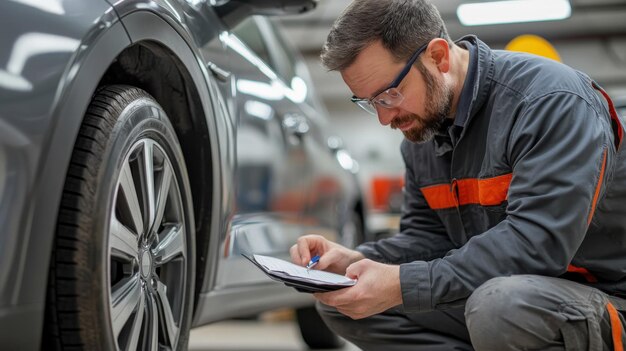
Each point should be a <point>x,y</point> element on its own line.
<point>161,26</point>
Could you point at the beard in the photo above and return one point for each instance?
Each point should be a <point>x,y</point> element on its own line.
<point>438,105</point>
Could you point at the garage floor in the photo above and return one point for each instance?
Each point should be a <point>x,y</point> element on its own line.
<point>251,335</point>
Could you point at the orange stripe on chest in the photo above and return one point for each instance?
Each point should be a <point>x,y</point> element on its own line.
<point>485,192</point>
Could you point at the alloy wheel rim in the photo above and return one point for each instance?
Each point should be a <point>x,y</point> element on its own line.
<point>147,259</point>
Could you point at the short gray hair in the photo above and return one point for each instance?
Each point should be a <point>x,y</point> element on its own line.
<point>401,25</point>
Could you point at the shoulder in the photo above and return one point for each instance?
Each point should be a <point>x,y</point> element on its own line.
<point>533,76</point>
<point>522,80</point>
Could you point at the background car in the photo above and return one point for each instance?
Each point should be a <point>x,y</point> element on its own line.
<point>145,144</point>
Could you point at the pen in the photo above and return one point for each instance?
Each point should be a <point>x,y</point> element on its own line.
<point>313,262</point>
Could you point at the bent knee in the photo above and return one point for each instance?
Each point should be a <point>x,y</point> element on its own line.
<point>505,310</point>
<point>496,297</point>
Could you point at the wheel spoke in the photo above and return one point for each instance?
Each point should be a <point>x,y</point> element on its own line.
<point>171,246</point>
<point>166,316</point>
<point>164,187</point>
<point>148,181</point>
<point>135,331</point>
<point>124,300</point>
<point>130,194</point>
<point>152,340</point>
<point>147,216</point>
<point>124,243</point>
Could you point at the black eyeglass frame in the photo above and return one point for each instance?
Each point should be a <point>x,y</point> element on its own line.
<point>396,82</point>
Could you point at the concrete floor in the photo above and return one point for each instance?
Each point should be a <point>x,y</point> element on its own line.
<point>261,335</point>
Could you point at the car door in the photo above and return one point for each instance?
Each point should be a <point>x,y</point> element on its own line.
<point>332,188</point>
<point>268,180</point>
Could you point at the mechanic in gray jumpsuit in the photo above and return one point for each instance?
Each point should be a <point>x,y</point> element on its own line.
<point>513,231</point>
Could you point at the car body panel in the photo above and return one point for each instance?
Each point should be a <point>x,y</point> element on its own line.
<point>270,185</point>
<point>270,178</point>
<point>332,186</point>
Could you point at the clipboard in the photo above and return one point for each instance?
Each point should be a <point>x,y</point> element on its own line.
<point>294,276</point>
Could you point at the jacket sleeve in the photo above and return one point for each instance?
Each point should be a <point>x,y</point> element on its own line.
<point>558,150</point>
<point>422,235</point>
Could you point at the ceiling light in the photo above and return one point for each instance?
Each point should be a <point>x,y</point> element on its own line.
<point>513,11</point>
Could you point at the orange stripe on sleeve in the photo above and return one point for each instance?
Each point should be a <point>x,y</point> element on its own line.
<point>616,327</point>
<point>598,187</point>
<point>493,191</point>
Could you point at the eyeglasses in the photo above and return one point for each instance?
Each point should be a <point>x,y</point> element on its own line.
<point>391,96</point>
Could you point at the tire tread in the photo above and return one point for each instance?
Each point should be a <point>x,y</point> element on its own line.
<point>66,327</point>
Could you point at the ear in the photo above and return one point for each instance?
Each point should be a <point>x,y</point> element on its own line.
<point>440,54</point>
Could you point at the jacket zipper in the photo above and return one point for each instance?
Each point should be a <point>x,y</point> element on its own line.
<point>454,189</point>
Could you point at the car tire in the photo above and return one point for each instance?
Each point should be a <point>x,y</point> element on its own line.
<point>123,265</point>
<point>315,332</point>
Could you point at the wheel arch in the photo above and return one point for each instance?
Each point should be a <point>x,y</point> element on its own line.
<point>153,67</point>
<point>161,62</point>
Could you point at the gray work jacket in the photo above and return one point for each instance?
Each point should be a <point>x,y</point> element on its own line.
<point>532,181</point>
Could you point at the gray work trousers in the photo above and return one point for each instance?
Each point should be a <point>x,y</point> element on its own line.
<point>522,312</point>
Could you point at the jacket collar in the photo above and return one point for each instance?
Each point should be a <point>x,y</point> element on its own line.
<point>474,93</point>
<point>477,82</point>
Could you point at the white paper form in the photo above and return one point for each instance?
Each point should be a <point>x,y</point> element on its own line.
<point>278,265</point>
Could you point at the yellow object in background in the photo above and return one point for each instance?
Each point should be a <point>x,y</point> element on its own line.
<point>533,44</point>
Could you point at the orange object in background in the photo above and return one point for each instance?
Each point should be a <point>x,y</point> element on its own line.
<point>533,44</point>
<point>387,193</point>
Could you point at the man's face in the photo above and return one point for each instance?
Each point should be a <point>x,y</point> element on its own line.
<point>427,99</point>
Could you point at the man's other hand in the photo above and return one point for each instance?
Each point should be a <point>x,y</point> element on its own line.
<point>377,290</point>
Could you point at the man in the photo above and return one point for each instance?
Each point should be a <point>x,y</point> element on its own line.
<point>513,233</point>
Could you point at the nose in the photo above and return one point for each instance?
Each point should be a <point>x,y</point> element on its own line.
<point>386,115</point>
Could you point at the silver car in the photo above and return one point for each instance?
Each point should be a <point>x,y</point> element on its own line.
<point>144,145</point>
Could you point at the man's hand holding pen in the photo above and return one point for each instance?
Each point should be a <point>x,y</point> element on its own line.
<point>313,262</point>
<point>332,256</point>
<point>378,286</point>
